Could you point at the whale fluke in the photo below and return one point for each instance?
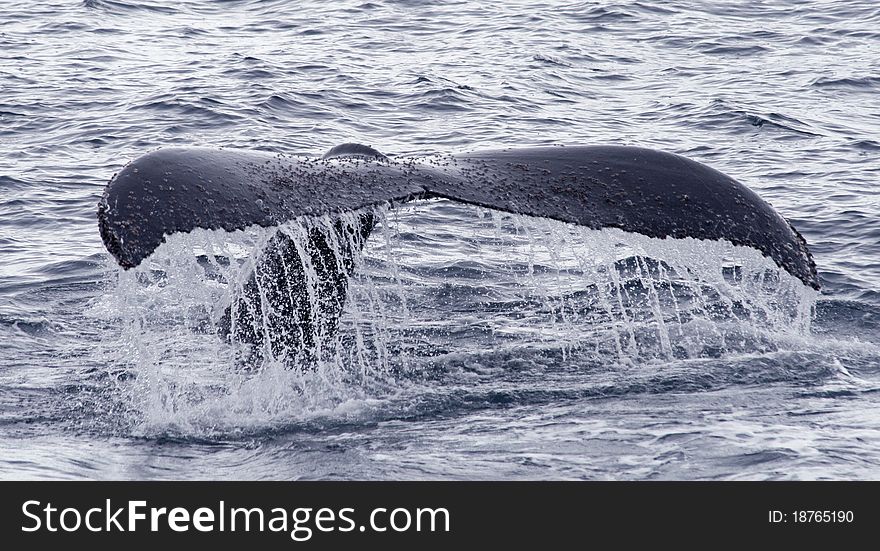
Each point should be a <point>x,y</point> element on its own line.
<point>637,190</point>
<point>634,189</point>
<point>295,323</point>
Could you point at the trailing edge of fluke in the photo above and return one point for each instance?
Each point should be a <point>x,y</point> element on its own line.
<point>637,190</point>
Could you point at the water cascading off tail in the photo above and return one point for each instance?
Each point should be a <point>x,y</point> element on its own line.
<point>500,282</point>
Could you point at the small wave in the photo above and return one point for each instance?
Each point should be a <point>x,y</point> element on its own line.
<point>442,83</point>
<point>718,49</point>
<point>117,6</point>
<point>856,318</point>
<point>861,84</point>
<point>289,106</point>
<point>761,457</point>
<point>10,183</point>
<point>654,8</point>
<point>202,111</point>
<point>721,111</point>
<point>32,327</point>
<point>550,60</point>
<point>866,145</point>
<point>602,14</point>
<point>444,99</point>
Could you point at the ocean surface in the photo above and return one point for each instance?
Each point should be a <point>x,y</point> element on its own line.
<point>474,345</point>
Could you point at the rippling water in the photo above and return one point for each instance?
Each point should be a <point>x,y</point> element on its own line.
<point>488,375</point>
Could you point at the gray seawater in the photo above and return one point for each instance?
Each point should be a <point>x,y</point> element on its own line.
<point>478,345</point>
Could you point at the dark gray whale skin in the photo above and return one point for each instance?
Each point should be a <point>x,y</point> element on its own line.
<point>638,190</point>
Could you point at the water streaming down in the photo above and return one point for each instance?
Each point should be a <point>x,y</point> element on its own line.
<point>524,284</point>
<point>484,368</point>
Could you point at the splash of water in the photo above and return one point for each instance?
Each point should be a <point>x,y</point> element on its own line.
<point>433,280</point>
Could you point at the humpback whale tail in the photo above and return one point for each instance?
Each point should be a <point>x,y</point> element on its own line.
<point>653,193</point>
<point>295,323</point>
